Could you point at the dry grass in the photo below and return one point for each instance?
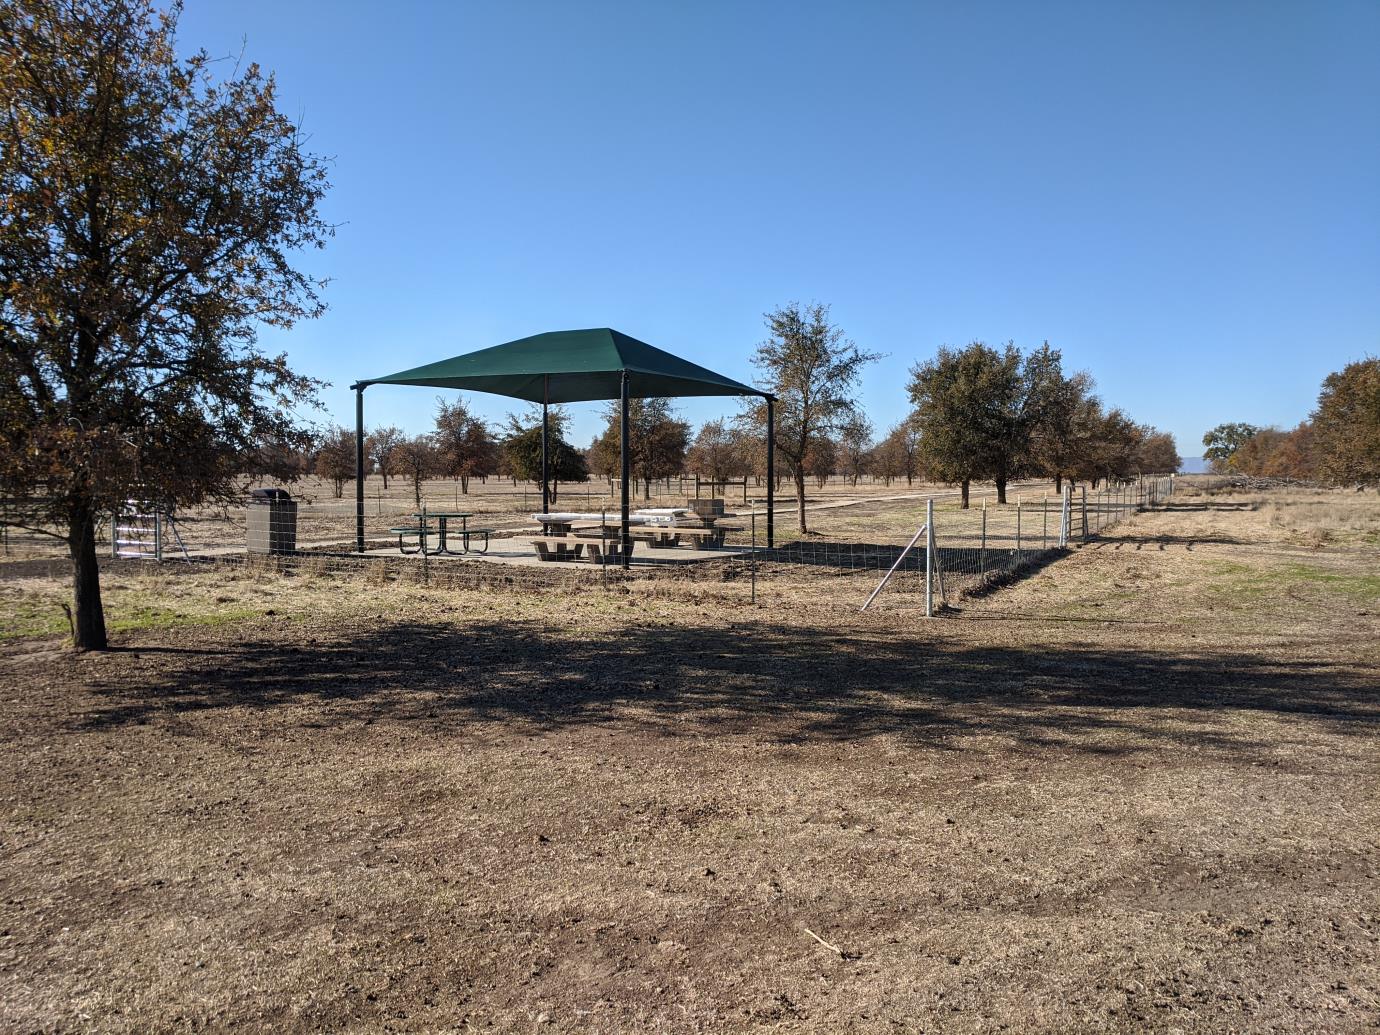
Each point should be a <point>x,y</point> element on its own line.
<point>324,519</point>
<point>1135,791</point>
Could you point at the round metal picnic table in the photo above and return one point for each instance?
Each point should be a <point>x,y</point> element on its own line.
<point>442,516</point>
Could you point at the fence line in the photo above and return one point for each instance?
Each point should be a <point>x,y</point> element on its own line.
<point>963,552</point>
<point>977,549</point>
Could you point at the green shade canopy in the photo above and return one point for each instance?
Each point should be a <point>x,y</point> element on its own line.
<point>571,366</point>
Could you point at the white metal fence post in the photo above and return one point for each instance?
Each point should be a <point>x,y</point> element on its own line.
<point>929,558</point>
<point>982,549</point>
<point>1065,515</point>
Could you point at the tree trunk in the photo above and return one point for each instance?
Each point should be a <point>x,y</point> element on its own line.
<point>965,485</point>
<point>465,484</point>
<point>88,625</point>
<point>1001,490</point>
<point>1058,483</point>
<point>800,497</point>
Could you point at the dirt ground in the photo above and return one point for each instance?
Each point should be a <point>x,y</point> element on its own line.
<point>1135,791</point>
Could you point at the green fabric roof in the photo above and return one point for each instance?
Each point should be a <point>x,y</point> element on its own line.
<point>581,365</point>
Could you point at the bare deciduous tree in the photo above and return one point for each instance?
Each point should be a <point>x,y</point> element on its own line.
<point>813,370</point>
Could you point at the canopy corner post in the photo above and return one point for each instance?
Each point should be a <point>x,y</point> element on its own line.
<point>359,468</point>
<point>625,539</point>
<point>545,436</point>
<point>771,472</point>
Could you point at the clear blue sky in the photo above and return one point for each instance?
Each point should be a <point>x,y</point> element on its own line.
<point>1183,197</point>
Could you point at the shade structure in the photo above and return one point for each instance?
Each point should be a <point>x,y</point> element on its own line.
<point>566,367</point>
<point>572,366</point>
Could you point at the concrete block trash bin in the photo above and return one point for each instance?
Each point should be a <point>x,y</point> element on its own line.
<point>272,523</point>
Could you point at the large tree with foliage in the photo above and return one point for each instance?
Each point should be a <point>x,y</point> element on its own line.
<point>152,210</point>
<point>522,451</point>
<point>657,440</point>
<point>813,369</point>
<point>1157,453</point>
<point>1053,402</point>
<point>967,408</point>
<point>1111,447</point>
<point>1346,424</point>
<point>1223,441</point>
<point>464,444</point>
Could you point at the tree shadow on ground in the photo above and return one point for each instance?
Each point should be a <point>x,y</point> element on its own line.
<point>782,683</point>
<point>962,561</point>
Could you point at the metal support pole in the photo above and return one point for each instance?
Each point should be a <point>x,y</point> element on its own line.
<point>1084,490</point>
<point>625,537</point>
<point>545,435</point>
<point>1044,516</point>
<point>929,558</point>
<point>1018,531</point>
<point>771,472</point>
<point>359,468</point>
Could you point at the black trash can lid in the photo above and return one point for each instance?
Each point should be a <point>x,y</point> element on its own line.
<point>264,495</point>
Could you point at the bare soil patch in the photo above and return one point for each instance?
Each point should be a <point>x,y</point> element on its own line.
<point>1134,791</point>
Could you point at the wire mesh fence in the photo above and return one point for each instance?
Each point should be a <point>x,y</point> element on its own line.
<point>963,551</point>
<point>491,541</point>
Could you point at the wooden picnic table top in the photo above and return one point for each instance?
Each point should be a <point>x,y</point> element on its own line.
<point>443,514</point>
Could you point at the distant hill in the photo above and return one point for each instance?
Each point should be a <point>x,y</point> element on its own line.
<point>1194,465</point>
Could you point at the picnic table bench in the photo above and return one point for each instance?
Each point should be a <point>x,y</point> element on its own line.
<point>569,547</point>
<point>702,538</point>
<point>424,527</point>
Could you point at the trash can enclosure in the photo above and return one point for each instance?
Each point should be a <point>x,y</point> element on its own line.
<point>272,523</point>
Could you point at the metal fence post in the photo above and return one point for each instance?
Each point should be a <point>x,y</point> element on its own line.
<point>1018,531</point>
<point>1044,521</point>
<point>929,558</point>
<point>754,555</point>
<point>1065,515</point>
<point>1084,490</point>
<point>982,550</point>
